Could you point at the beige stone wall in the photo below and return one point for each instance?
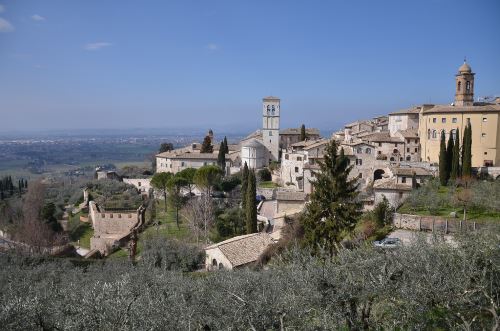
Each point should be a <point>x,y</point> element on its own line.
<point>399,122</point>
<point>292,168</point>
<point>395,198</point>
<point>283,206</point>
<point>485,137</point>
<point>431,223</point>
<point>142,184</point>
<point>111,226</point>
<point>214,259</point>
<point>176,165</point>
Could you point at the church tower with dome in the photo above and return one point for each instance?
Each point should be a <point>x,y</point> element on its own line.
<point>464,93</point>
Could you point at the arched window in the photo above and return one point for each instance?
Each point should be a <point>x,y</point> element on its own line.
<point>467,86</point>
<point>429,134</point>
<point>408,158</point>
<point>368,151</point>
<point>395,151</point>
<point>268,109</point>
<point>392,159</point>
<point>359,150</point>
<point>434,134</point>
<point>272,110</point>
<point>459,86</point>
<point>214,262</point>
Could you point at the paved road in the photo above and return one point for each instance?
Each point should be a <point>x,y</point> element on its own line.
<point>407,236</point>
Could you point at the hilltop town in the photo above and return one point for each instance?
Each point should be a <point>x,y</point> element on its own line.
<point>429,170</point>
<point>389,157</point>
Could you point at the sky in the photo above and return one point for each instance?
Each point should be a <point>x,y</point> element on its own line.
<point>97,64</point>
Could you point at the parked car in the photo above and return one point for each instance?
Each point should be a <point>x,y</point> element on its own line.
<point>387,243</point>
<point>217,194</point>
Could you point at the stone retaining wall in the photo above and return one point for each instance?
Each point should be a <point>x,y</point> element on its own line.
<point>269,193</point>
<point>431,223</point>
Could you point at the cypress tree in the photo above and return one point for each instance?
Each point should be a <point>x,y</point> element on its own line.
<point>251,210</point>
<point>333,209</point>
<point>449,155</point>
<point>467,152</point>
<point>303,133</point>
<point>226,145</point>
<point>443,167</point>
<point>244,186</point>
<point>455,159</point>
<point>221,157</point>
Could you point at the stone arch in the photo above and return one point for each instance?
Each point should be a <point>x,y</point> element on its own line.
<point>214,263</point>
<point>377,174</point>
<point>221,266</point>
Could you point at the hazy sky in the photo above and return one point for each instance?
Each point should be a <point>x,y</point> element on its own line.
<point>121,64</point>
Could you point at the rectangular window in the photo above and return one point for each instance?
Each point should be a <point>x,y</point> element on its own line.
<point>416,149</point>
<point>396,145</point>
<point>270,133</point>
<point>139,184</point>
<point>359,162</point>
<point>454,120</point>
<point>408,150</point>
<point>299,158</point>
<point>296,169</point>
<point>434,120</point>
<point>485,119</point>
<point>379,144</point>
<point>443,120</point>
<point>286,156</point>
<point>483,135</point>
<point>403,180</point>
<point>182,164</point>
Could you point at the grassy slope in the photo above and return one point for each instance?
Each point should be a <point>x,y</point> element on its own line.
<point>445,210</point>
<point>166,229</point>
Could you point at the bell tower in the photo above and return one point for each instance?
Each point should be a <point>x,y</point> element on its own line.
<point>271,126</point>
<point>464,89</point>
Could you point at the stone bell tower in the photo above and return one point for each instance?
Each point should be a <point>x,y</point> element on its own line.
<point>271,126</point>
<point>464,93</point>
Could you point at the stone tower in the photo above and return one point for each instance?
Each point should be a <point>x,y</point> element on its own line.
<point>271,126</point>
<point>464,95</point>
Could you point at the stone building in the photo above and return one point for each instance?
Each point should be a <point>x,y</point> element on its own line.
<point>404,120</point>
<point>253,153</point>
<point>143,185</point>
<point>237,252</point>
<point>412,144</point>
<point>483,117</point>
<point>174,161</point>
<point>291,136</point>
<point>112,228</point>
<point>296,157</point>
<point>395,192</point>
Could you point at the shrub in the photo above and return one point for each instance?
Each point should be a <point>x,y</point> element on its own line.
<point>265,175</point>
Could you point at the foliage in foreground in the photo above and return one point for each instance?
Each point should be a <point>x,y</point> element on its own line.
<point>416,287</point>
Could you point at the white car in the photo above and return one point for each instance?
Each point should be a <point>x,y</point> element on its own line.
<point>387,243</point>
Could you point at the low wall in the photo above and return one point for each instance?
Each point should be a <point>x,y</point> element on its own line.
<point>431,223</point>
<point>269,193</point>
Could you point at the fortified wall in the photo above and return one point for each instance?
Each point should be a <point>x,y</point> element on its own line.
<point>112,227</point>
